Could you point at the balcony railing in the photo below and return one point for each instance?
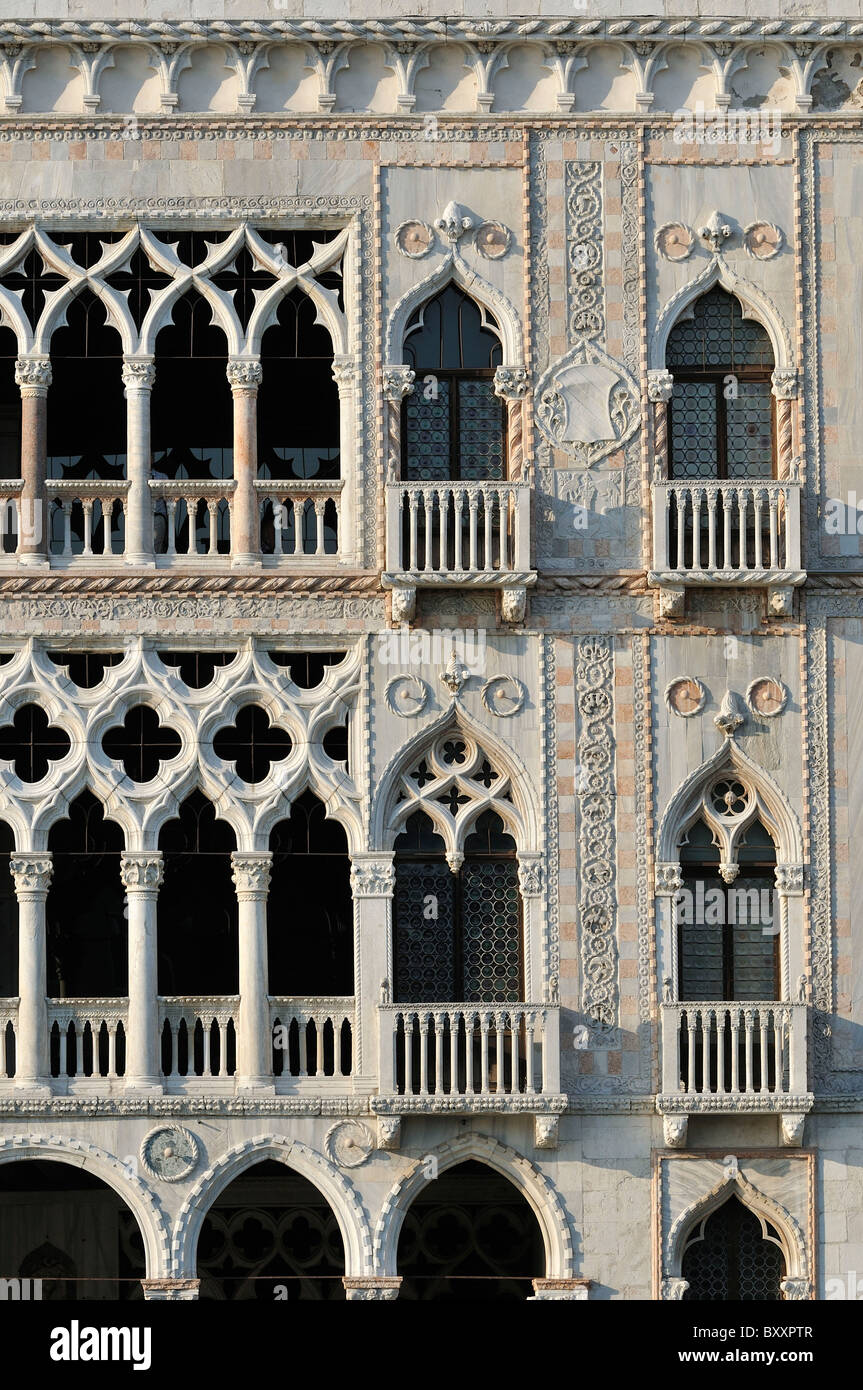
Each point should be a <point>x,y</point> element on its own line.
<point>87,1038</point>
<point>471,1050</point>
<point>299,518</point>
<point>191,517</point>
<point>456,529</point>
<point>734,1051</point>
<point>87,518</point>
<point>726,533</point>
<point>198,1038</point>
<point>312,1041</point>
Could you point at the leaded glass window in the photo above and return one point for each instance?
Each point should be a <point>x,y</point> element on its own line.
<point>453,421</point>
<point>732,1257</point>
<point>721,410</point>
<point>457,935</point>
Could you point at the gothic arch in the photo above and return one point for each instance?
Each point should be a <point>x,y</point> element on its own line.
<point>753,301</point>
<point>521,818</point>
<point>770,803</point>
<point>454,270</point>
<point>533,1185</point>
<point>339,1192</point>
<point>138,1197</point>
<point>793,1242</point>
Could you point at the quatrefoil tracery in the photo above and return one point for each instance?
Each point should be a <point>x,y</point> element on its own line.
<point>728,806</point>
<point>453,781</point>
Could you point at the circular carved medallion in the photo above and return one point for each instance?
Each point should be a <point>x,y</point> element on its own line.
<point>685,696</point>
<point>767,697</point>
<point>414,239</point>
<point>763,240</point>
<point>349,1143</point>
<point>492,240</point>
<point>674,241</point>
<point>169,1152</point>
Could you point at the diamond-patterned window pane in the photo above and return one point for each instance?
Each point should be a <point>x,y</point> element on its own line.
<point>694,427</point>
<point>732,1261</point>
<point>749,431</point>
<point>491,927</point>
<point>425,935</point>
<point>480,430</point>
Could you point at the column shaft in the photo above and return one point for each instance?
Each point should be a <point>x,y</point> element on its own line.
<point>139,375</point>
<point>32,875</point>
<point>33,375</point>
<point>142,878</point>
<point>245,377</point>
<point>251,874</point>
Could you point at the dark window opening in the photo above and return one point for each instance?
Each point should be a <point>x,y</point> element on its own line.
<point>470,1237</point>
<point>730,1259</point>
<point>457,936</point>
<point>85,669</point>
<point>197,909</point>
<point>31,743</point>
<point>140,282</point>
<point>85,912</point>
<point>30,282</point>
<point>310,907</point>
<point>86,365</point>
<point>241,280</point>
<point>8,935</point>
<point>298,400</point>
<point>306,669</point>
<point>252,743</point>
<point>453,423</point>
<point>192,410</point>
<point>271,1236</point>
<point>197,669</point>
<point>10,422</point>
<point>141,744</point>
<point>336,744</point>
<point>721,410</point>
<point>192,248</point>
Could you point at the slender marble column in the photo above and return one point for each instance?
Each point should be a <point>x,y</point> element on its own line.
<point>142,874</point>
<point>245,378</point>
<point>32,875</point>
<point>139,376</point>
<point>251,875</point>
<point>33,375</point>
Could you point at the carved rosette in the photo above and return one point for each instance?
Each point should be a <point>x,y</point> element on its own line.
<point>414,239</point>
<point>245,375</point>
<point>251,875</point>
<point>33,375</point>
<point>406,695</point>
<point>398,382</point>
<point>32,874</point>
<point>492,240</point>
<point>373,878</point>
<point>139,373</point>
<point>142,873</point>
<point>169,1153</point>
<point>511,383</point>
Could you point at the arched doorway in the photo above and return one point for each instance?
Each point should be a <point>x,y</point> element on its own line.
<point>62,1225</point>
<point>271,1236</point>
<point>470,1236</point>
<point>733,1255</point>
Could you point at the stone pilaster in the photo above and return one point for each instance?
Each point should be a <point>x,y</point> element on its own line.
<point>373,880</point>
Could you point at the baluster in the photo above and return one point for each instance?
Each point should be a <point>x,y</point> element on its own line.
<point>485,1020</point>
<point>529,1028</point>
<point>337,509</point>
<point>303,1039</point>
<point>172,534</point>
<point>726,528</point>
<point>438,1054</point>
<point>455,1019</point>
<point>457,505</point>
<point>546,1059</point>
<point>278,509</point>
<point>207,1037</point>
<point>424,1023</point>
<point>112,1048</point>
<point>318,514</point>
<point>514,1041</point>
<point>468,1040</point>
<point>758,503</point>
<point>742,507</point>
<point>778,1051</point>
<point>488,550</point>
<point>749,1026</point>
<point>191,518</point>
<point>499,1025</point>
<point>442,495</point>
<point>708,1023</point>
<point>774,531</point>
<point>473,503</point>
<point>429,528</point>
<point>721,1026</point>
<point>67,528</point>
<point>224,1031</point>
<point>696,527</point>
<point>763,1081</point>
<point>320,1025</point>
<point>680,500</point>
<point>413,505</point>
<point>711,528</point>
<point>691,1018</point>
<point>212,525</point>
<point>87,506</point>
<point>735,1051</point>
<point>64,1048</point>
<point>292,546</point>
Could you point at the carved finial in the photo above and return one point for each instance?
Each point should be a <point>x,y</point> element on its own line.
<point>454,674</point>
<point>729,717</point>
<point>715,232</point>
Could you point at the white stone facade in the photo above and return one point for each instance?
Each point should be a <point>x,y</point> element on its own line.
<point>611,673</point>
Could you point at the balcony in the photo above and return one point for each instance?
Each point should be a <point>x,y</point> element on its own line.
<point>471,1057</point>
<point>456,535</point>
<point>726,533</point>
<point>734,1059</point>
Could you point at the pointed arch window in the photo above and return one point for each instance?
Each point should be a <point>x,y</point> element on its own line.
<point>721,421</point>
<point>457,935</point>
<point>728,928</point>
<point>454,424</point>
<point>733,1255</point>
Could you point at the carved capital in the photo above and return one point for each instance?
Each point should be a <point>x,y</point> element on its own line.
<point>171,1290</point>
<point>374,877</point>
<point>511,383</point>
<point>251,875</point>
<point>245,375</point>
<point>368,1287</point>
<point>668,878</point>
<point>139,373</point>
<point>344,372</point>
<point>32,874</point>
<point>789,879</point>
<point>784,383</point>
<point>141,873</point>
<point>530,875</point>
<point>674,1289</point>
<point>33,375</point>
<point>660,384</point>
<point>398,382</point>
<point>795,1290</point>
